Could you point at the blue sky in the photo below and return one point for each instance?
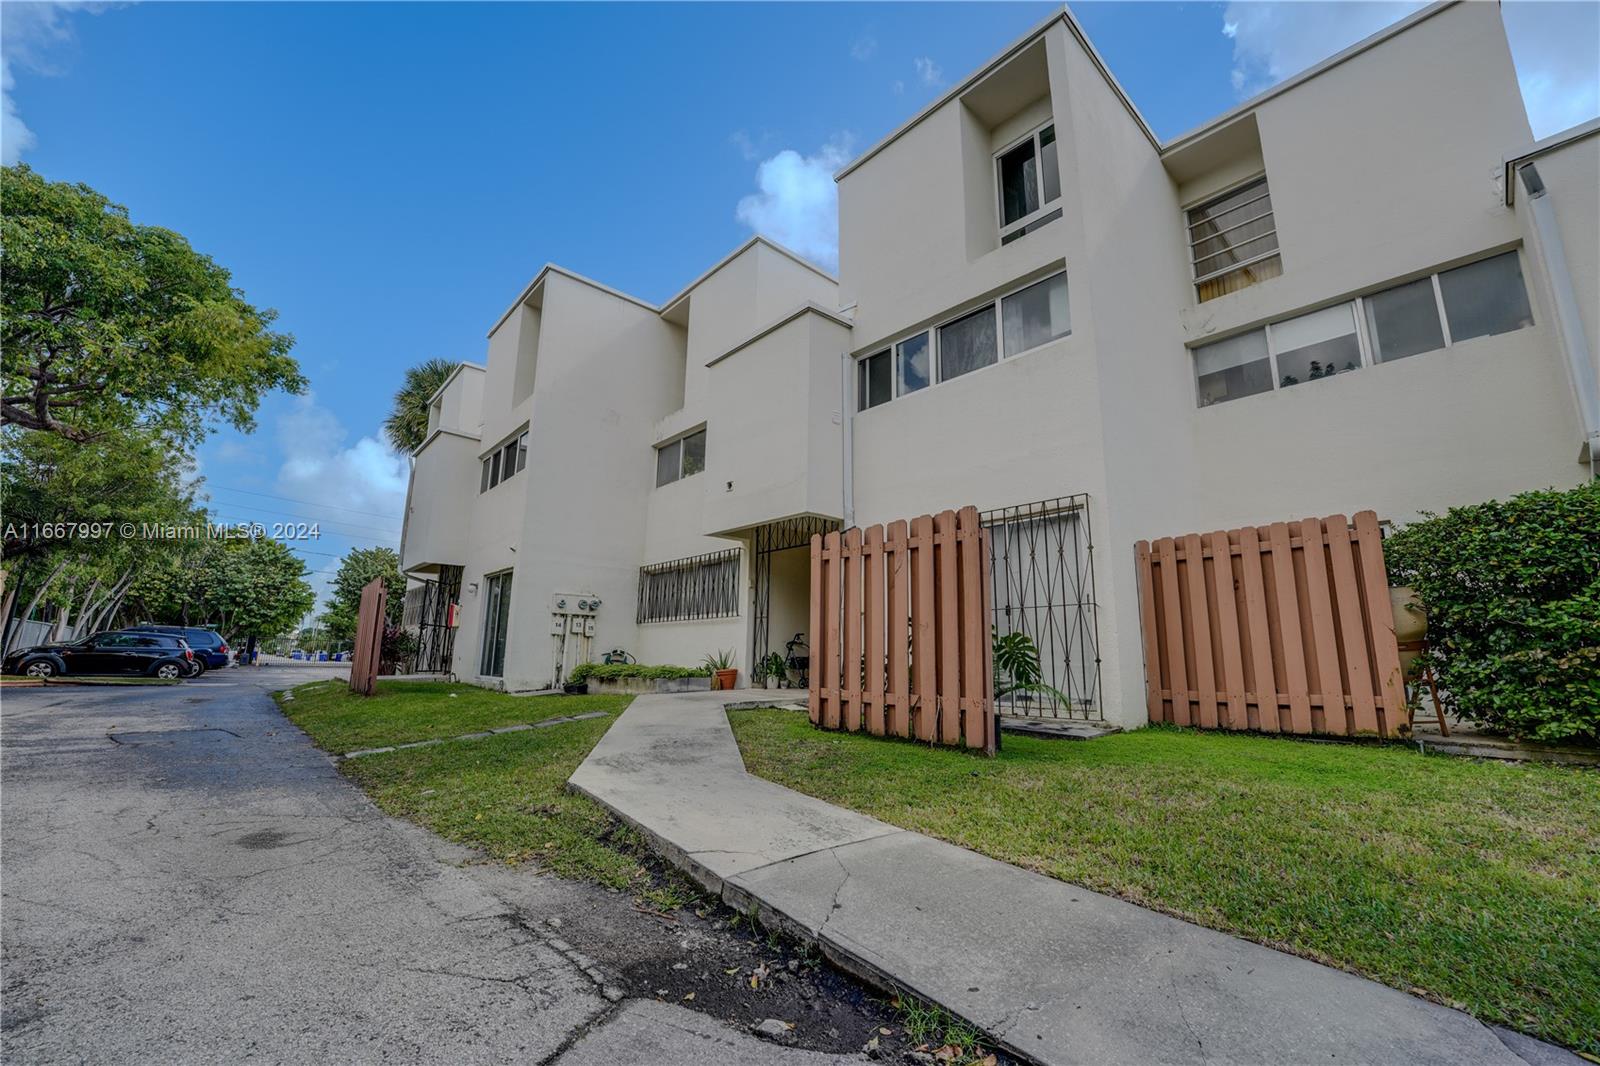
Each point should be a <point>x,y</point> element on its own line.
<point>388,176</point>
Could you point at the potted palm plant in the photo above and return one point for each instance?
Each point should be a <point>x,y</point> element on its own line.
<point>723,674</point>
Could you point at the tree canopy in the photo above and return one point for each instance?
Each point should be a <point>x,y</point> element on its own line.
<point>108,325</point>
<point>358,567</point>
<point>407,425</point>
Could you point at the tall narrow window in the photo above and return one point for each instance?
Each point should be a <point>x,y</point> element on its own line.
<point>494,469</point>
<point>872,380</point>
<point>668,459</point>
<point>522,453</point>
<point>1233,241</point>
<point>694,453</point>
<point>483,481</point>
<point>912,367</point>
<point>1028,175</point>
<point>496,616</point>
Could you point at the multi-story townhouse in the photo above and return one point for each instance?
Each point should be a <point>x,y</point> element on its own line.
<point>1366,288</point>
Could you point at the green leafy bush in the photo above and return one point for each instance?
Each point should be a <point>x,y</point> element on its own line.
<point>619,671</point>
<point>1512,591</point>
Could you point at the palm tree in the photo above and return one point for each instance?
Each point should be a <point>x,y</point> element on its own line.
<point>407,424</point>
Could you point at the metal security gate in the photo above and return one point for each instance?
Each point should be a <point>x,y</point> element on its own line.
<point>427,614</point>
<point>1044,609</point>
<point>782,535</point>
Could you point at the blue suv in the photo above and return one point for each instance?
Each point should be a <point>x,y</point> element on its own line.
<point>207,644</point>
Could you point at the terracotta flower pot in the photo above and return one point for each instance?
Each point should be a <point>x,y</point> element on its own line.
<point>725,679</point>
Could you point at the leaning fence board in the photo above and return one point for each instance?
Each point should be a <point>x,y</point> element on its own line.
<point>368,649</point>
<point>903,623</point>
<point>1285,627</point>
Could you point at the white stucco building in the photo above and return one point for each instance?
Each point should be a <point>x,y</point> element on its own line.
<point>1365,288</point>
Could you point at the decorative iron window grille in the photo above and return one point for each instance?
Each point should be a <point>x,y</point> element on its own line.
<point>427,617</point>
<point>701,586</point>
<point>1042,564</point>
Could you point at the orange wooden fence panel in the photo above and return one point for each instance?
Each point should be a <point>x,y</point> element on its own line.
<point>901,617</point>
<point>1281,628</point>
<point>369,637</point>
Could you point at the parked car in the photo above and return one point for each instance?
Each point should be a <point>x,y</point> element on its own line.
<point>210,650</point>
<point>114,652</point>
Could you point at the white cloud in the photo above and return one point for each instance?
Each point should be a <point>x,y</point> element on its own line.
<point>1556,47</point>
<point>899,87</point>
<point>797,204</point>
<point>319,468</point>
<point>928,72</point>
<point>864,48</point>
<point>29,35</point>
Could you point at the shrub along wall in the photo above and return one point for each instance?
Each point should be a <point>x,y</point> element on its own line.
<point>1512,591</point>
<point>621,671</point>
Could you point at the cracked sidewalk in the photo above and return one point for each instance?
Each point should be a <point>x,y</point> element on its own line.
<point>1052,972</point>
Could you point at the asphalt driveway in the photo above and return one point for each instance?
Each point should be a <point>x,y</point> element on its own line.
<point>187,879</point>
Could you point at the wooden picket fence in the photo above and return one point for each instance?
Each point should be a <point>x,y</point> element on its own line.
<point>1280,628</point>
<point>900,618</point>
<point>368,649</point>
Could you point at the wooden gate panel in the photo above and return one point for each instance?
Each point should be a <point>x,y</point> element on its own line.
<point>1285,627</point>
<point>902,616</point>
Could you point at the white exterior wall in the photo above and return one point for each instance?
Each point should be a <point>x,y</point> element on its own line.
<point>1385,165</point>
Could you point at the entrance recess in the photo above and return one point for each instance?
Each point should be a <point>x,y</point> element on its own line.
<point>780,583</point>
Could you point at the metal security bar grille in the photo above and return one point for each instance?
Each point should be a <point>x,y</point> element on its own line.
<point>427,615</point>
<point>1042,556</point>
<point>782,535</point>
<point>701,586</point>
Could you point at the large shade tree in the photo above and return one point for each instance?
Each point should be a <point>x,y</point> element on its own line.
<point>357,568</point>
<point>407,425</point>
<point>108,325</point>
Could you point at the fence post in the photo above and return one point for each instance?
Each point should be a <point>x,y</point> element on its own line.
<point>369,637</point>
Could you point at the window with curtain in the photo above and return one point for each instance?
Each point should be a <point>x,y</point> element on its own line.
<point>967,344</point>
<point>1238,366</point>
<point>1233,241</point>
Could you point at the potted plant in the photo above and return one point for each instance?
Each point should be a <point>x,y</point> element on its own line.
<point>774,668</point>
<point>723,674</point>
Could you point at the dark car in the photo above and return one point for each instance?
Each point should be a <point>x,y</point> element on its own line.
<point>210,650</point>
<point>116,652</point>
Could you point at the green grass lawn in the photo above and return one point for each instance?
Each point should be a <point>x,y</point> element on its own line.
<point>505,795</point>
<point>403,711</point>
<point>1475,883</point>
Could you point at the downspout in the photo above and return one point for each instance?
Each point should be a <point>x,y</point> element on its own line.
<point>1574,343</point>
<point>847,421</point>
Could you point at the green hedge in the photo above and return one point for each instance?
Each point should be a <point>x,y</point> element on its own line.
<point>1512,591</point>
<point>618,671</point>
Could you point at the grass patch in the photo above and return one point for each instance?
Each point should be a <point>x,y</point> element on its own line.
<point>505,795</point>
<point>403,711</point>
<point>1475,883</point>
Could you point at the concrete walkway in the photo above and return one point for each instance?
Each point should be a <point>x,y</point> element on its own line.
<point>1052,972</point>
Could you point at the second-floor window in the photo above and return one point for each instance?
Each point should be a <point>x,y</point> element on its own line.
<point>680,458</point>
<point>1435,312</point>
<point>1233,241</point>
<point>1028,175</point>
<point>1018,321</point>
<point>506,461</point>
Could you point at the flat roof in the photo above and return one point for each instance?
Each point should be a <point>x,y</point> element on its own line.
<point>1065,17</point>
